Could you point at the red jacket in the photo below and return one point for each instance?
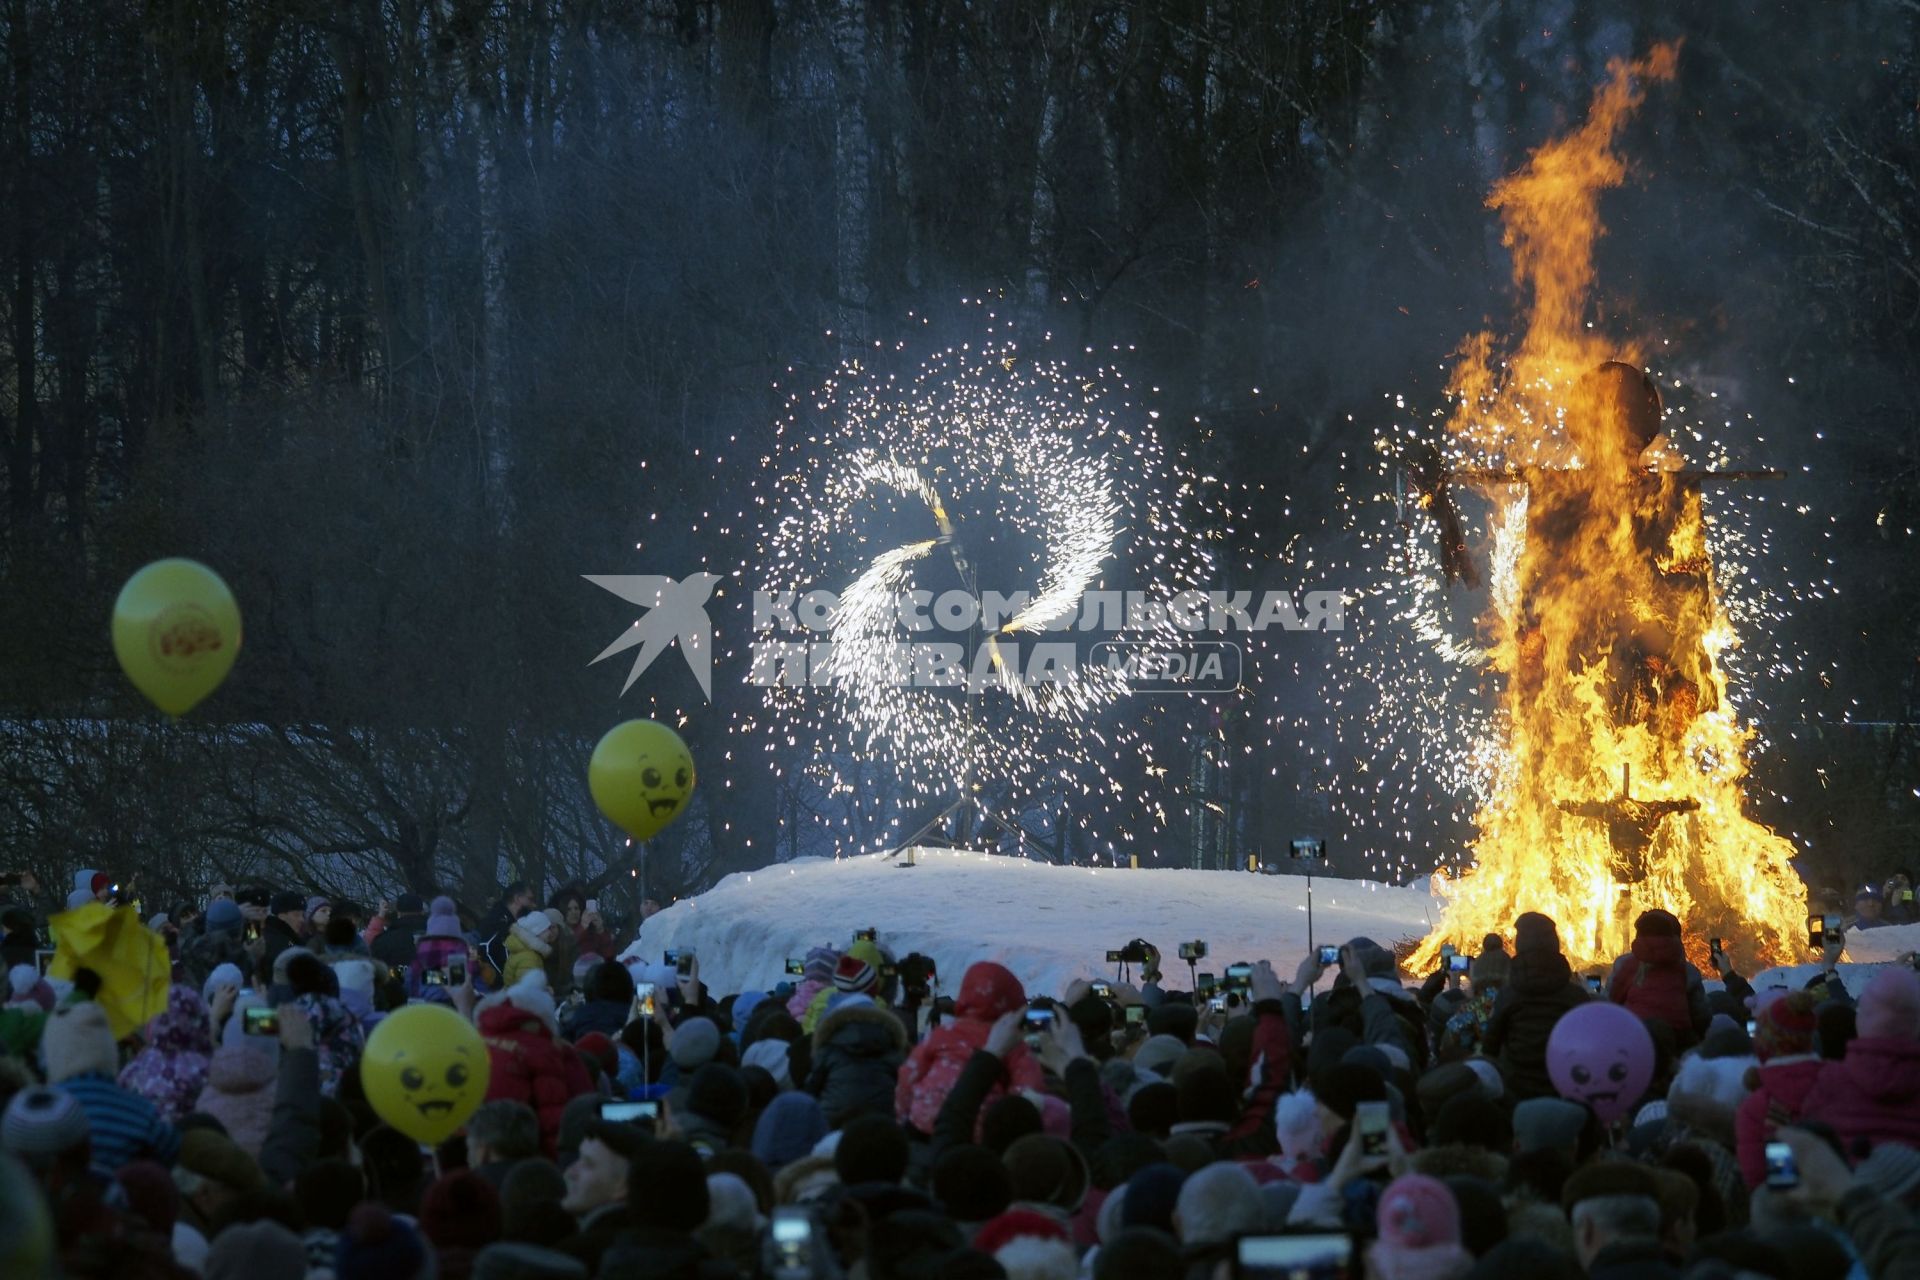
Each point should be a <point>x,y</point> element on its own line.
<point>1786,1081</point>
<point>529,1065</point>
<point>987,993</point>
<point>1872,1093</point>
<point>1652,984</point>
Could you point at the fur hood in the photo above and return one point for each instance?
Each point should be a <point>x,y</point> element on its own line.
<point>864,1016</point>
<point>77,1040</point>
<point>530,996</point>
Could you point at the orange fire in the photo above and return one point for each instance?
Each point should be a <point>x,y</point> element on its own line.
<point>1620,786</point>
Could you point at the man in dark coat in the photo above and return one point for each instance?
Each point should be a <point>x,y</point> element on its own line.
<point>395,945</point>
<point>285,926</point>
<point>514,903</point>
<point>1540,990</point>
<point>666,1201</point>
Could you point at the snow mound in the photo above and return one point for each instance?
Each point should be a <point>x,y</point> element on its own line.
<point>1867,950</point>
<point>1046,923</point>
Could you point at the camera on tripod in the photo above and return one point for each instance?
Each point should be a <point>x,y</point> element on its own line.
<point>1136,952</point>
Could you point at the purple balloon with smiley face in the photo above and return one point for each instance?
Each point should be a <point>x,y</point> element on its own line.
<point>1602,1056</point>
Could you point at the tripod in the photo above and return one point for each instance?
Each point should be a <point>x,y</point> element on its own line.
<point>967,806</point>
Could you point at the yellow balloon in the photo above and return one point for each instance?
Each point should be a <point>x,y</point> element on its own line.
<point>424,1071</point>
<point>176,631</point>
<point>641,776</point>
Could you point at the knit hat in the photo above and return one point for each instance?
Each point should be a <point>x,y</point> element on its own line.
<point>21,980</point>
<point>854,973</point>
<point>788,1129</point>
<point>287,900</point>
<point>1159,1054</point>
<point>1174,1018</point>
<point>42,1122</point>
<point>872,1148</point>
<point>1784,1025</point>
<point>1491,1082</point>
<point>1042,1169</point>
<point>1541,1123</point>
<point>970,1183</point>
<point>78,1040</point>
<point>1341,1089</point>
<point>443,921</point>
<point>1725,1038</point>
<point>1016,1224</point>
<point>1889,1009</point>
<point>1418,1212</point>
<point>1656,923</point>
<point>1375,960</point>
<point>1535,932</point>
<point>1892,1170</point>
<point>535,922</point>
<point>820,964</point>
<point>1218,1202</point>
<point>222,914</point>
<point>1435,1088</point>
<point>1492,967</point>
<point>731,1203</point>
<point>223,975</point>
<point>695,1041</point>
<point>771,1057</point>
<point>378,1246</point>
<point>217,1158</point>
<point>513,1261</point>
<point>316,902</point>
<point>717,1093</point>
<point>599,1051</point>
<point>461,1210</point>
<point>1472,1120</point>
<point>247,1250</point>
<point>99,881</point>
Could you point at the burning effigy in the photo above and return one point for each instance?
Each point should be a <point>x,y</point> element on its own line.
<point>1618,785</point>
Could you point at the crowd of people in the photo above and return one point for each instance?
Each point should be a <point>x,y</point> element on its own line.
<point>1326,1117</point>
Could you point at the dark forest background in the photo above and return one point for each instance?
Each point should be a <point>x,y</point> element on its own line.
<point>378,306</point>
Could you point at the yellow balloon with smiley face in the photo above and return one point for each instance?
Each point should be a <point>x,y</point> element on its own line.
<point>424,1070</point>
<point>641,776</point>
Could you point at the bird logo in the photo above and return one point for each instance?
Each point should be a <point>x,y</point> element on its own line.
<point>675,611</point>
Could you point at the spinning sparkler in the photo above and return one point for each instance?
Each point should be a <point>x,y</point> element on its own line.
<point>1042,482</point>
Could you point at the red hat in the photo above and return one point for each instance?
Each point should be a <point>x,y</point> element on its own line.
<point>1013,1225</point>
<point>596,1046</point>
<point>1784,1025</point>
<point>101,880</point>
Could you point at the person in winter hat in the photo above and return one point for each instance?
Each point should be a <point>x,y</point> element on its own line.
<point>1873,1094</point>
<point>394,941</point>
<point>529,943</point>
<point>338,1037</point>
<point>529,1063</point>
<point>1540,990</point>
<point>241,1075</point>
<point>172,1070</point>
<point>816,976</point>
<point>608,1005</point>
<point>858,1050</point>
<point>1419,1232</point>
<point>1789,1069</point>
<point>459,1215</point>
<point>562,951</point>
<point>788,1130</point>
<point>856,971</point>
<point>988,992</point>
<point>221,944</point>
<point>248,1250</point>
<point>1028,1245</point>
<point>82,1060</point>
<point>1655,982</point>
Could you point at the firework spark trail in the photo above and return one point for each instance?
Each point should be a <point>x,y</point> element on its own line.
<point>1044,472</point>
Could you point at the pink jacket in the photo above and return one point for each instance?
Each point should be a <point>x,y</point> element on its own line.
<point>1872,1093</point>
<point>1786,1081</point>
<point>934,1066</point>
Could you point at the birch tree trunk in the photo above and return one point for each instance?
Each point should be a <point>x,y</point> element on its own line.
<point>852,176</point>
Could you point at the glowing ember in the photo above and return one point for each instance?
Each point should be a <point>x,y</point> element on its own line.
<point>1617,786</point>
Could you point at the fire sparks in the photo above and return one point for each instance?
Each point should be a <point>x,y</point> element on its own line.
<point>1608,773</point>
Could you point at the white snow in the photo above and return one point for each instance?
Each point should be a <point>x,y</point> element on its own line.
<point>1048,924</point>
<point>1866,951</point>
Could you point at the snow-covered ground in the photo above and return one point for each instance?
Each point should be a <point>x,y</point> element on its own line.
<point>1047,924</point>
<point>1867,950</point>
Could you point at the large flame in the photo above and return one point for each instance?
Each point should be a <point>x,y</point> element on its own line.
<point>1621,786</point>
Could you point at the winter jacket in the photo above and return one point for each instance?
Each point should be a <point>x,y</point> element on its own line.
<point>395,944</point>
<point>278,935</point>
<point>201,956</point>
<point>558,962</point>
<point>857,1053</point>
<point>525,953</point>
<point>1872,1093</point>
<point>1539,992</point>
<point>338,1038</point>
<point>1786,1081</point>
<point>123,1126</point>
<point>1656,984</point>
<point>529,1065</point>
<point>986,993</point>
<point>172,1070</point>
<point>239,1092</point>
<point>1269,1069</point>
<point>805,995</point>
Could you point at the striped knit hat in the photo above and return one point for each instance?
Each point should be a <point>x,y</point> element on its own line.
<point>859,968</point>
<point>42,1122</point>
